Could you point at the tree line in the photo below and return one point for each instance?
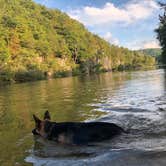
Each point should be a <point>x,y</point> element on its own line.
<point>38,43</point>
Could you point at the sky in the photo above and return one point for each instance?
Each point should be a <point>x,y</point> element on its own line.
<point>127,23</point>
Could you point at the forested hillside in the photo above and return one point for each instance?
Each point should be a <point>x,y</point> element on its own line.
<point>155,52</point>
<point>38,43</point>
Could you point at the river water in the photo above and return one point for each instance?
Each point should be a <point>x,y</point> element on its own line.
<point>135,101</point>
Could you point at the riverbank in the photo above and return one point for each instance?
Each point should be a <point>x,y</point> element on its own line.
<point>36,75</point>
<point>52,44</point>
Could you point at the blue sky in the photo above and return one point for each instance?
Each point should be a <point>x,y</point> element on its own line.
<point>127,23</point>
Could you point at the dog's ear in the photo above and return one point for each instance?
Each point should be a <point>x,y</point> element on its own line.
<point>47,116</point>
<point>37,120</point>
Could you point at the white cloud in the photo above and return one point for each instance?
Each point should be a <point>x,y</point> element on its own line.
<point>136,45</point>
<point>109,13</point>
<point>108,37</point>
<point>134,16</point>
<point>151,44</point>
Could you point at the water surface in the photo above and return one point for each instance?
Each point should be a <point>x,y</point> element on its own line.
<point>134,100</point>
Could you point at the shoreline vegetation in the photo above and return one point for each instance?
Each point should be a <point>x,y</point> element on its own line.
<point>38,43</point>
<point>30,76</point>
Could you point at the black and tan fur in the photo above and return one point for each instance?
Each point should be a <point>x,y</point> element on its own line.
<point>75,132</point>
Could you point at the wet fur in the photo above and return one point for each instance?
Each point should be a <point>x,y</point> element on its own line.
<point>76,132</point>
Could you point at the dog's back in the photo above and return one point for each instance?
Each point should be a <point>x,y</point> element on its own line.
<point>81,133</point>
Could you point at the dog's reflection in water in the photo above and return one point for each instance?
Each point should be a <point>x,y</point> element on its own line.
<point>45,148</point>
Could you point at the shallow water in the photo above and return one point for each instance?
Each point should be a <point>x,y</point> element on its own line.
<point>134,100</point>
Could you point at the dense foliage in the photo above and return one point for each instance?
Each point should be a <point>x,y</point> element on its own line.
<point>161,32</point>
<point>37,43</point>
<point>154,52</point>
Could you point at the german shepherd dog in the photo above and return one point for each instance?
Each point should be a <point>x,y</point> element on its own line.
<point>75,132</point>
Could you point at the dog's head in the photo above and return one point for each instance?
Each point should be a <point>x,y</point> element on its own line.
<point>42,126</point>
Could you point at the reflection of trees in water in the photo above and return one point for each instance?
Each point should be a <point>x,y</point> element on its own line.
<point>67,99</point>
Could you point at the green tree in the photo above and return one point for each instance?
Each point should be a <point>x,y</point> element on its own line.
<point>37,42</point>
<point>161,32</point>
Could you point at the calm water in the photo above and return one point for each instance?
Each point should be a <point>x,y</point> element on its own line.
<point>134,100</point>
